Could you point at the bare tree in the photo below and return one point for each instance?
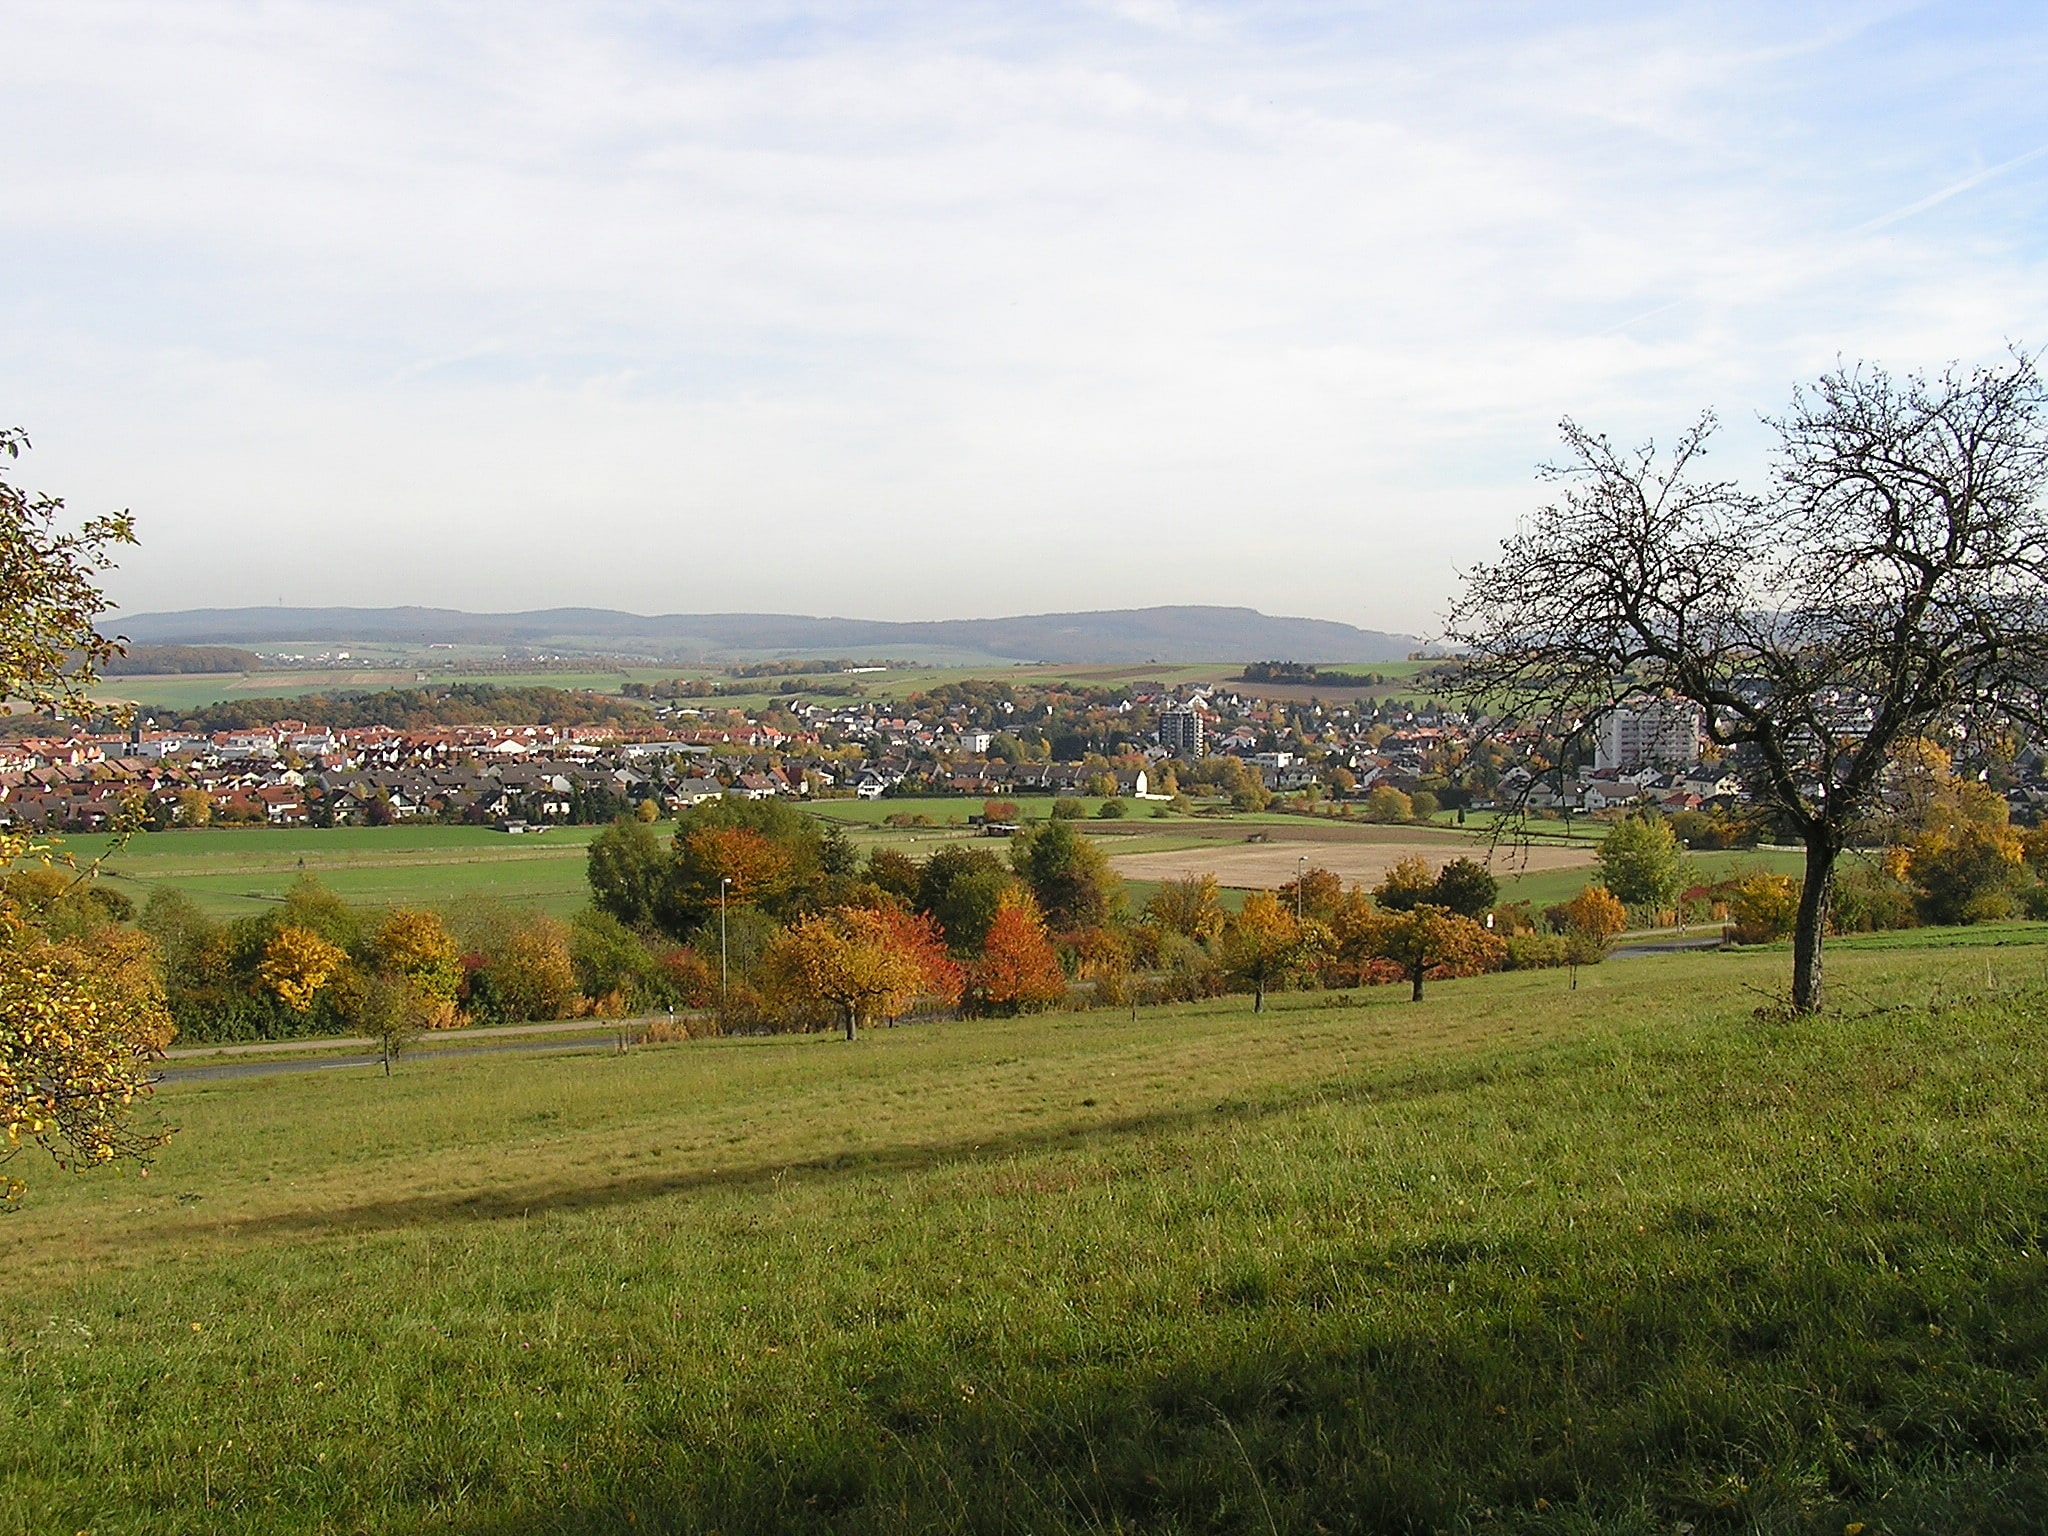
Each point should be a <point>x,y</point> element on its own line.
<point>1887,585</point>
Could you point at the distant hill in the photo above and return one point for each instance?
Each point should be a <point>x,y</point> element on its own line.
<point>1122,635</point>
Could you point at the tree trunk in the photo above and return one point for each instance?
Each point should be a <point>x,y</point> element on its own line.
<point>1822,848</point>
<point>852,1024</point>
<point>1258,997</point>
<point>1415,979</point>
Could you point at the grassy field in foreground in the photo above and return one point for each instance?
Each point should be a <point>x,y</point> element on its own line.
<point>1625,1259</point>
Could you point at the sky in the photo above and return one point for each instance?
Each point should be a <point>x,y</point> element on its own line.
<point>937,310</point>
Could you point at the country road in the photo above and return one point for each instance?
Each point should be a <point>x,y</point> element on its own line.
<point>274,1066</point>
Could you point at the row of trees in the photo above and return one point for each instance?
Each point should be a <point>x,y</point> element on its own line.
<point>787,904</point>
<point>808,932</point>
<point>315,965</point>
<point>1414,926</point>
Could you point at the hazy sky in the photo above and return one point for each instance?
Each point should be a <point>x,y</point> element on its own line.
<point>910,311</point>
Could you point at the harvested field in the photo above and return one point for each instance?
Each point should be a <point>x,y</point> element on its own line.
<point>1261,866</point>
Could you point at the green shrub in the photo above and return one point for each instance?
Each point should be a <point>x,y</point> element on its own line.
<point>1869,899</point>
<point>1765,907</point>
<point>1536,951</point>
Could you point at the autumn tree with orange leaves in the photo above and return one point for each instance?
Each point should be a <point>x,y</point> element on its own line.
<point>1018,969</point>
<point>849,960</point>
<point>1429,941</point>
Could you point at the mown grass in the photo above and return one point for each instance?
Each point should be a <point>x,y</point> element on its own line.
<point>232,871</point>
<point>1624,1259</point>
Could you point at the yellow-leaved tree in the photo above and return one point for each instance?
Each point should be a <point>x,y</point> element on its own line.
<point>296,964</point>
<point>416,947</point>
<point>81,1014</point>
<point>1191,905</point>
<point>1264,946</point>
<point>849,959</point>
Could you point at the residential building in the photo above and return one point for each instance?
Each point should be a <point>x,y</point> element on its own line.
<point>1180,730</point>
<point>1664,733</point>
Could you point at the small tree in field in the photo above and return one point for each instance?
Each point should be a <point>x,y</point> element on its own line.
<point>1264,946</point>
<point>392,1012</point>
<point>1641,863</point>
<point>1595,913</point>
<point>1888,585</point>
<point>849,959</point>
<point>1428,941</point>
<point>416,945</point>
<point>1589,922</point>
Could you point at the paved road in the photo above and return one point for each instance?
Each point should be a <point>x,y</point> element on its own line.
<point>452,1037</point>
<point>269,1068</point>
<point>1663,947</point>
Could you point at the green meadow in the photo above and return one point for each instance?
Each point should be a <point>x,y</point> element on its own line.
<point>231,871</point>
<point>195,690</point>
<point>1543,887</point>
<point>1647,1256</point>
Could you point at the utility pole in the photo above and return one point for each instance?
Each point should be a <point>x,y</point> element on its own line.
<point>1300,872</point>
<point>723,882</point>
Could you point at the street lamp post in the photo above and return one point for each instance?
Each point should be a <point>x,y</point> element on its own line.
<point>723,882</point>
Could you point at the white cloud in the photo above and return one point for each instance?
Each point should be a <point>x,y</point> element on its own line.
<point>914,312</point>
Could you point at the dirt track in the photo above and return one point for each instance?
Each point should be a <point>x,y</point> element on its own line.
<point>1262,866</point>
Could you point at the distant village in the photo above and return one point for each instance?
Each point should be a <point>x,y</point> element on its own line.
<point>977,740</point>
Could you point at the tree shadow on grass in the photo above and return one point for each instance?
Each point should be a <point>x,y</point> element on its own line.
<point>1281,1406</point>
<point>522,1201</point>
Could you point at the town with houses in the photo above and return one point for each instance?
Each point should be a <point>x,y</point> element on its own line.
<point>972,740</point>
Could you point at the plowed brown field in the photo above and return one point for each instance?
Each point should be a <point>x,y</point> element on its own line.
<point>1261,866</point>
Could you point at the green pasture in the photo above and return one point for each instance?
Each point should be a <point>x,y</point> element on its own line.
<point>1580,829</point>
<point>955,810</point>
<point>232,871</point>
<point>1545,887</point>
<point>1641,1257</point>
<point>197,689</point>
<point>944,810</point>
